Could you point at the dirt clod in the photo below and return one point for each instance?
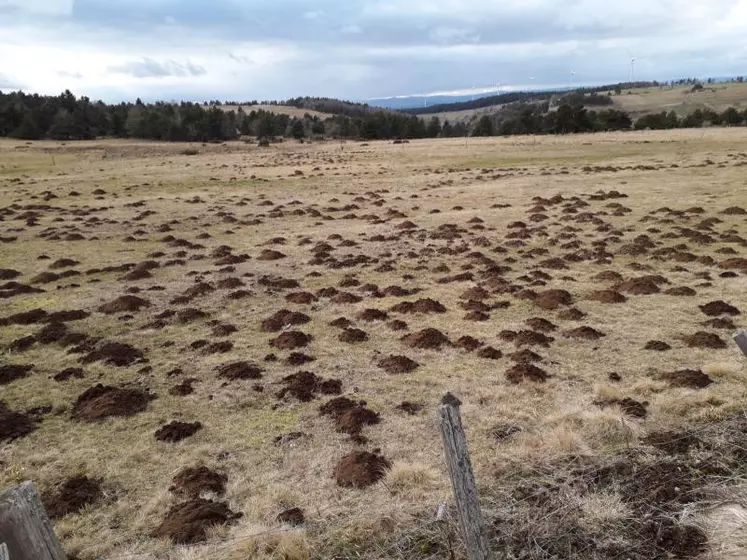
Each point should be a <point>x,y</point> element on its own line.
<point>188,522</point>
<point>361,469</point>
<point>101,402</point>
<point>72,496</point>
<point>176,431</point>
<point>398,364</point>
<point>526,371</point>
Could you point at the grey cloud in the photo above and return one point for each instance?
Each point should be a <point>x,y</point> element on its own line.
<point>149,68</point>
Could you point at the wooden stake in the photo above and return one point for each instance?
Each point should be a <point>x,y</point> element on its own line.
<point>25,528</point>
<point>462,479</point>
<point>741,340</point>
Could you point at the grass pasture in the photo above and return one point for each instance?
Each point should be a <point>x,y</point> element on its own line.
<point>578,293</point>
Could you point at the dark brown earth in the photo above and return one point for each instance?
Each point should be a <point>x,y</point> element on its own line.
<point>702,339</point>
<point>176,431</point>
<point>188,522</point>
<point>114,353</point>
<point>101,402</point>
<point>687,378</point>
<point>14,425</point>
<point>72,496</point>
<point>361,469</point>
<point>716,308</point>
<point>526,371</point>
<point>192,481</point>
<point>397,364</point>
<point>239,370</point>
<point>427,338</point>
<point>305,385</point>
<point>10,373</point>
<point>290,340</point>
<point>123,304</point>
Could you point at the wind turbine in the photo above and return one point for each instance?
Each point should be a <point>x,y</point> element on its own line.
<point>632,68</point>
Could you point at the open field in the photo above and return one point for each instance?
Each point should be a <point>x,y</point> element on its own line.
<point>279,110</point>
<point>681,100</point>
<point>577,293</point>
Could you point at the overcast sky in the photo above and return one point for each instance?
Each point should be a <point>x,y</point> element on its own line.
<point>357,49</point>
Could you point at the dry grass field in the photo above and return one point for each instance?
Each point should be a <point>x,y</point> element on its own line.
<point>195,345</point>
<point>681,99</point>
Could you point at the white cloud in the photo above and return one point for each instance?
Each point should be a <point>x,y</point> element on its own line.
<point>46,7</point>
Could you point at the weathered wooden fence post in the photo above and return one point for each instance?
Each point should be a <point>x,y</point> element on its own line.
<point>25,528</point>
<point>462,479</point>
<point>741,340</point>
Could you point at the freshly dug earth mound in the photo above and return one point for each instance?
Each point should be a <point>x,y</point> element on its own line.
<point>541,324</point>
<point>525,355</point>
<point>681,291</point>
<point>397,325</point>
<point>469,343</point>
<point>176,431</point>
<point>425,305</point>
<point>352,336</point>
<point>67,373</point>
<point>114,353</point>
<point>716,308</point>
<point>360,469</point>
<point>532,338</point>
<point>192,481</point>
<point>584,333</point>
<point>629,406</point>
<point>123,304</point>
<point>239,370</point>
<point>639,286</point>
<point>490,353</point>
<point>687,378</point>
<point>52,332</point>
<point>410,408</point>
<point>72,496</point>
<point>476,316</point>
<point>607,296</point>
<point>14,425</point>
<point>190,315</point>
<point>702,339</point>
<point>293,516</point>
<point>101,401</point>
<point>338,406</point>
<point>304,386</point>
<point>373,315</point>
<point>427,338</point>
<point>290,340</point>
<point>188,522</point>
<point>526,371</point>
<point>571,314</point>
<point>398,364</point>
<point>352,420</point>
<point>10,373</point>
<point>552,299</point>
<point>283,318</point>
<point>657,345</point>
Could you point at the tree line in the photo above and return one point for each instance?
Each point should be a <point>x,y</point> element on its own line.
<point>65,117</point>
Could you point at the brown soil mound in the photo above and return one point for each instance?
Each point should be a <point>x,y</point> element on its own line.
<point>424,305</point>
<point>183,389</point>
<point>192,481</point>
<point>72,496</point>
<point>124,304</point>
<point>63,263</point>
<point>687,378</point>
<point>398,364</point>
<point>720,323</point>
<point>67,316</point>
<point>352,420</point>
<point>474,305</point>
<point>290,340</point>
<point>702,339</point>
<point>526,371</point>
<point>427,338</point>
<point>584,333</point>
<point>224,330</point>
<point>657,345</point>
<point>607,296</point>
<point>188,522</point>
<point>540,324</point>
<point>299,359</point>
<point>571,314</point>
<point>629,406</point>
<point>304,386</point>
<point>681,291</point>
<point>67,373</point>
<point>639,286</point>
<point>734,211</point>
<point>44,278</point>
<point>351,336</point>
<point>53,332</point>
<point>373,315</point>
<point>190,315</point>
<point>397,325</point>
<point>21,344</point>
<point>552,299</point>
<point>532,338</point>
<point>100,402</point>
<point>293,516</point>
<point>338,406</point>
<point>716,308</point>
<point>410,408</point>
<point>114,353</point>
<point>490,353</point>
<point>470,344</point>
<point>346,297</point>
<point>14,425</point>
<point>341,323</point>
<point>525,356</point>
<point>10,373</point>
<point>270,255</point>
<point>8,274</point>
<point>177,431</point>
<point>360,469</point>
<point>476,316</point>
<point>199,289</point>
<point>476,293</point>
<point>301,298</point>
<point>239,370</point>
<point>283,318</point>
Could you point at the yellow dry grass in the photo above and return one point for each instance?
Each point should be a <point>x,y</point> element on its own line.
<point>431,183</point>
